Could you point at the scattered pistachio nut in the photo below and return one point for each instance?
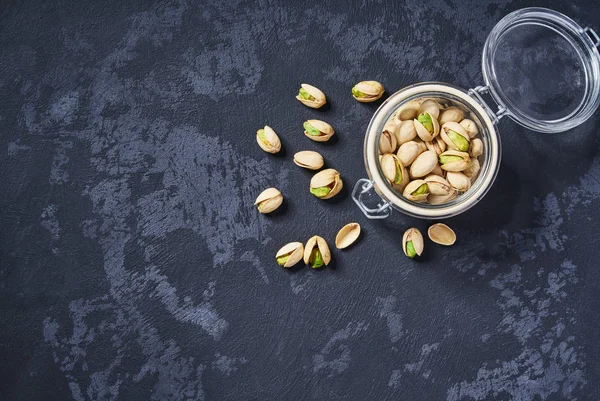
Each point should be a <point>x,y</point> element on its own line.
<point>269,200</point>
<point>476,148</point>
<point>393,169</point>
<point>412,243</point>
<point>451,114</point>
<point>309,160</point>
<point>441,234</point>
<point>424,164</point>
<point>408,152</point>
<point>406,132</point>
<point>387,142</point>
<point>290,254</point>
<point>367,91</point>
<point>470,127</point>
<point>318,130</point>
<point>453,160</point>
<point>458,180</point>
<point>347,235</point>
<point>416,191</point>
<point>268,140</point>
<point>326,184</point>
<point>316,252</point>
<point>438,186</point>
<point>455,136</point>
<point>311,96</point>
<point>430,106</point>
<point>427,126</point>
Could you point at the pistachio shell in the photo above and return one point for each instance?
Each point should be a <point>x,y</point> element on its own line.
<point>406,132</point>
<point>268,140</point>
<point>430,106</point>
<point>438,171</point>
<point>309,159</point>
<point>460,142</point>
<point>318,97</point>
<point>437,145</point>
<point>326,131</point>
<point>408,152</point>
<point>470,127</point>
<point>371,91</point>
<point>393,169</point>
<point>451,114</point>
<point>347,235</point>
<point>410,192</point>
<point>387,142</point>
<point>424,164</point>
<point>422,145</point>
<point>438,185</point>
<point>408,111</point>
<point>461,163</point>
<point>472,170</point>
<point>423,133</point>
<point>441,234</point>
<point>328,178</point>
<point>476,148</point>
<point>458,180</point>
<point>321,245</point>
<point>415,238</point>
<point>441,199</point>
<point>294,252</point>
<point>269,200</point>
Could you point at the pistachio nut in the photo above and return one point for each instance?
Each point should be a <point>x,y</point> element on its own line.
<point>458,180</point>
<point>470,127</point>
<point>430,106</point>
<point>441,234</point>
<point>309,160</point>
<point>367,91</point>
<point>473,169</point>
<point>406,132</point>
<point>427,126</point>
<point>316,252</point>
<point>455,136</point>
<point>453,160</point>
<point>416,191</point>
<point>408,152</point>
<point>438,185</point>
<point>438,170</point>
<point>387,142</point>
<point>326,184</point>
<point>437,145</point>
<point>441,199</point>
<point>311,96</point>
<point>476,148</point>
<point>424,164</point>
<point>408,111</point>
<point>290,254</point>
<point>412,243</point>
<point>268,140</point>
<point>269,200</point>
<point>422,145</point>
<point>318,130</point>
<point>451,114</point>
<point>347,235</point>
<point>393,169</point>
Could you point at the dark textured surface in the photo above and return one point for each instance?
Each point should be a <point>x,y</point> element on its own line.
<point>134,266</point>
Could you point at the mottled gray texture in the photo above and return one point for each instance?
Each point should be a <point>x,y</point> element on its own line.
<point>134,266</point>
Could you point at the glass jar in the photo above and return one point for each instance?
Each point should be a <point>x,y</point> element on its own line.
<point>540,68</point>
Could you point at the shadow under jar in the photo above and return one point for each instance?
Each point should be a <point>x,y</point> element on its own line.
<point>554,65</point>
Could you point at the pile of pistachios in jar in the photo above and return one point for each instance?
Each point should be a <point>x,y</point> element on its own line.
<point>429,151</point>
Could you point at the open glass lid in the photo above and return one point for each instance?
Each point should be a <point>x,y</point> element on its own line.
<point>542,69</point>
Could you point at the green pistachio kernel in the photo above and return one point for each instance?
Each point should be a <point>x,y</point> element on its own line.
<point>459,140</point>
<point>398,177</point>
<point>320,192</point>
<point>316,259</point>
<point>410,250</point>
<point>282,259</point>
<point>450,159</point>
<point>262,137</point>
<point>305,95</point>
<point>358,93</point>
<point>425,119</point>
<point>422,190</point>
<point>312,131</point>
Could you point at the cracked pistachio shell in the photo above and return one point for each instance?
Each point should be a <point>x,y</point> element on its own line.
<point>438,185</point>
<point>387,142</point>
<point>316,97</point>
<point>423,132</point>
<point>408,152</point>
<point>441,234</point>
<point>470,127</point>
<point>347,235</point>
<point>416,191</point>
<point>412,243</point>
<point>393,169</point>
<point>458,180</point>
<point>441,199</point>
<point>437,145</point>
<point>424,164</point>
<point>430,106</point>
<point>325,131</point>
<point>453,160</point>
<point>326,184</point>
<point>269,200</point>
<point>473,170</point>
<point>268,140</point>
<point>367,91</point>
<point>321,245</point>
<point>476,148</point>
<point>451,114</point>
<point>409,110</point>
<point>309,159</point>
<point>406,132</point>
<point>455,136</point>
<point>290,254</point>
